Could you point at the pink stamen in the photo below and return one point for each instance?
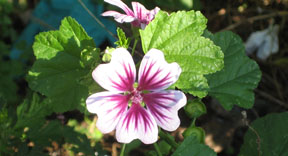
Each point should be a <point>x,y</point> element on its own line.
<point>136,97</point>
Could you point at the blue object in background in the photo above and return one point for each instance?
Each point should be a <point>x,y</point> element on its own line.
<point>51,12</point>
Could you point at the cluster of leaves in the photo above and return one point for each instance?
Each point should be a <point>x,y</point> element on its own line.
<point>180,36</point>
<point>62,72</point>
<point>24,128</point>
<point>8,87</point>
<point>27,132</point>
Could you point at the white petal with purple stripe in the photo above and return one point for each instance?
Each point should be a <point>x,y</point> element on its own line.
<point>155,73</point>
<point>109,108</point>
<point>164,106</point>
<point>121,5</point>
<point>118,75</point>
<point>137,123</point>
<point>119,17</point>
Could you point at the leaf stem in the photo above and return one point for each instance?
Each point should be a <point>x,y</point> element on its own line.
<point>168,139</point>
<point>193,122</point>
<point>122,150</point>
<point>157,149</point>
<point>134,46</point>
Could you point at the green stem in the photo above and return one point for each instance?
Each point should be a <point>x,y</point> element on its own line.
<point>134,46</point>
<point>169,140</point>
<point>122,150</point>
<point>193,123</point>
<point>157,149</point>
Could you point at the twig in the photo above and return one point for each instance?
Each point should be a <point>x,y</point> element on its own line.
<point>258,141</point>
<point>96,19</point>
<point>255,18</point>
<point>41,22</point>
<point>269,97</point>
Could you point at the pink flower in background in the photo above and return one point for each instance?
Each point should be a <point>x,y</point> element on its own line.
<point>135,109</point>
<point>139,17</point>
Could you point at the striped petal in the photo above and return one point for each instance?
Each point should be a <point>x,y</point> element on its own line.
<point>140,11</point>
<point>144,16</point>
<point>118,75</point>
<point>153,13</point>
<point>155,73</point>
<point>119,17</point>
<point>121,5</point>
<point>137,123</point>
<point>164,106</point>
<point>109,108</point>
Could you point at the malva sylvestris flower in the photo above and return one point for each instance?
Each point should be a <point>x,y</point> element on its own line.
<point>139,17</point>
<point>135,109</point>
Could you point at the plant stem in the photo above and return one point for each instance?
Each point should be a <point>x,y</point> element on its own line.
<point>134,46</point>
<point>157,149</point>
<point>122,150</point>
<point>169,140</point>
<point>193,122</point>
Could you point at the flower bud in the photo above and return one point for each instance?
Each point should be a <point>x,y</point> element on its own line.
<point>107,54</point>
<point>195,108</point>
<point>198,132</point>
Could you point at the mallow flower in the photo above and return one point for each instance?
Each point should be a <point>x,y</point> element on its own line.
<point>139,17</point>
<point>135,109</point>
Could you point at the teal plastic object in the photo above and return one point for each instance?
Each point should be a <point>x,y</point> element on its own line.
<point>51,12</point>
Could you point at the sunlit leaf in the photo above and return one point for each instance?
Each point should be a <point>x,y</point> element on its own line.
<point>179,36</point>
<point>64,59</point>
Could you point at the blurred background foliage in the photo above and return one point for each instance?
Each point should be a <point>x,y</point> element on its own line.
<point>28,126</point>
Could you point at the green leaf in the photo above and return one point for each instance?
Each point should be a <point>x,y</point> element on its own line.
<point>191,147</point>
<point>235,83</point>
<point>32,111</point>
<point>164,147</point>
<point>64,59</point>
<point>123,40</point>
<point>179,36</point>
<point>272,130</point>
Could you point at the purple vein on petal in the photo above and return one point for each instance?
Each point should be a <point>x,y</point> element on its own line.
<point>137,113</point>
<point>130,76</point>
<point>155,103</point>
<point>126,81</point>
<point>151,82</point>
<point>122,104</point>
<point>142,83</point>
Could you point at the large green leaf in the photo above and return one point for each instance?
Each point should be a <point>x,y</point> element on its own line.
<point>179,36</point>
<point>191,147</point>
<point>272,130</point>
<point>234,84</point>
<point>63,62</point>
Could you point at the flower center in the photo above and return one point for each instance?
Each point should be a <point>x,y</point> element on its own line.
<point>136,96</point>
